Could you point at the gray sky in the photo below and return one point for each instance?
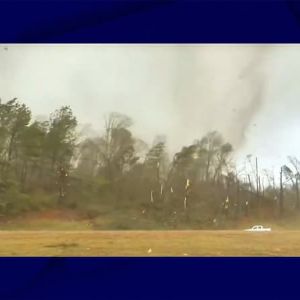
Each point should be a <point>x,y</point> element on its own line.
<point>249,93</point>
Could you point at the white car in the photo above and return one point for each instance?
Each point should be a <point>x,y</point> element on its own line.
<point>258,228</point>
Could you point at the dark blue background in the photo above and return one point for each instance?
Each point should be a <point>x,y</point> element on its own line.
<point>149,22</point>
<point>145,21</point>
<point>149,278</point>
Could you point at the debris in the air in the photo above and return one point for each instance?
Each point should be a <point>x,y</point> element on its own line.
<point>187,183</point>
<point>151,197</point>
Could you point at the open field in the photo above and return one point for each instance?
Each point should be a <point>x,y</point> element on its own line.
<point>138,243</point>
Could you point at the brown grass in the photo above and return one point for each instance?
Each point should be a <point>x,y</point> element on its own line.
<point>137,243</point>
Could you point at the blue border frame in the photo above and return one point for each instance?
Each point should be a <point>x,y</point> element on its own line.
<point>149,278</point>
<point>148,21</point>
<point>165,21</point>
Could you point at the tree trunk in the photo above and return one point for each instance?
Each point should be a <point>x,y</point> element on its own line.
<point>257,180</point>
<point>249,200</point>
<point>207,168</point>
<point>281,208</point>
<point>238,201</point>
<point>23,175</point>
<point>259,196</point>
<point>297,194</point>
<point>10,146</point>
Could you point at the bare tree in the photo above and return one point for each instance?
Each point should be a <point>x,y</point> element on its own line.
<point>281,208</point>
<point>293,176</point>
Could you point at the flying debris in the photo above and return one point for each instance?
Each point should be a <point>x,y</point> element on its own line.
<point>226,204</point>
<point>187,183</point>
<point>187,191</point>
<point>151,197</point>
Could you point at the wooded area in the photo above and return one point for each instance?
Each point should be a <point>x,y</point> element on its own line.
<point>48,164</point>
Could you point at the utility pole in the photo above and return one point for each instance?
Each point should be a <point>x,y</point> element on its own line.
<point>259,194</point>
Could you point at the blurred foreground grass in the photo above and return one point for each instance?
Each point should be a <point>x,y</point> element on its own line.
<point>149,243</point>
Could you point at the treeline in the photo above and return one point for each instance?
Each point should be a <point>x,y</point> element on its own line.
<point>46,164</point>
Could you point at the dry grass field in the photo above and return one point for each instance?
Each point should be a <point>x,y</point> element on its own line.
<point>139,243</point>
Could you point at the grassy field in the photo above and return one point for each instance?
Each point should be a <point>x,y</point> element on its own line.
<point>138,243</point>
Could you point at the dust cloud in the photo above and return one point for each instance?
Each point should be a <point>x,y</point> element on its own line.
<point>180,91</point>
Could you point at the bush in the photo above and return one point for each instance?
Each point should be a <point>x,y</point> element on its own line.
<point>14,202</point>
